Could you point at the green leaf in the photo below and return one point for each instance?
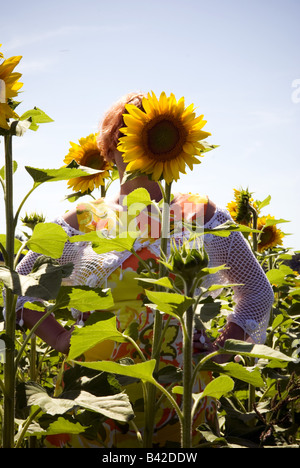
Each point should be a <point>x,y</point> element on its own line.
<point>64,173</point>
<point>169,303</point>
<point>255,350</point>
<point>117,244</point>
<point>208,309</point>
<point>142,371</point>
<point>264,203</point>
<point>2,170</point>
<point>113,406</point>
<point>89,336</point>
<point>103,244</point>
<point>43,284</point>
<point>48,239</point>
<point>165,281</point>
<point>225,229</point>
<point>84,298</point>
<point>213,270</point>
<point>17,243</point>
<point>216,388</point>
<point>215,287</point>
<point>139,196</point>
<point>250,375</point>
<point>36,116</point>
<point>205,147</point>
<point>63,426</point>
<point>278,275</point>
<point>272,222</point>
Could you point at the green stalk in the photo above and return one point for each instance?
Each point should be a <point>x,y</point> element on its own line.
<point>158,326</point>
<point>186,429</point>
<point>251,389</point>
<point>254,226</point>
<point>33,356</point>
<point>9,367</point>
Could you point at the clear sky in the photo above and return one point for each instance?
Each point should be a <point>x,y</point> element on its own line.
<point>238,61</point>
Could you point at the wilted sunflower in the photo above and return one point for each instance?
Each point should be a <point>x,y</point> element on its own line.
<point>270,236</point>
<point>9,87</point>
<point>87,153</point>
<point>162,138</point>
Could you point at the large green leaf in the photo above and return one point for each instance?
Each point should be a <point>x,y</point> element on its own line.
<point>103,244</point>
<point>250,375</point>
<point>225,229</point>
<point>169,303</point>
<point>89,336</point>
<point>113,406</point>
<point>254,350</point>
<point>48,239</point>
<point>64,173</point>
<point>142,371</point>
<point>84,298</point>
<point>214,389</point>
<point>44,283</point>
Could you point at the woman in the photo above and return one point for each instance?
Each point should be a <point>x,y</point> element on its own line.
<point>253,298</point>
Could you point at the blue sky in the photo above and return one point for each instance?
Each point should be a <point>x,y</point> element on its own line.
<point>236,60</point>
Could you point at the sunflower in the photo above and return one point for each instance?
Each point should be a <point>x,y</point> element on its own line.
<point>270,236</point>
<point>162,138</point>
<point>9,88</point>
<point>87,153</point>
<point>239,208</point>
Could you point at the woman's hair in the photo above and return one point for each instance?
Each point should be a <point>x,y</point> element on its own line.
<point>109,131</point>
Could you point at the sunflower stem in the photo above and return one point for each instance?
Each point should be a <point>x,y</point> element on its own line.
<point>8,430</point>
<point>254,226</point>
<point>186,428</point>
<point>158,324</point>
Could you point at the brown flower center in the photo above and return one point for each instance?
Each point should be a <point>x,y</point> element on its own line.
<point>93,159</point>
<point>163,138</point>
<point>267,236</point>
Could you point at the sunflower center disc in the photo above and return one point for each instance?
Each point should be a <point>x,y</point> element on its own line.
<point>93,159</point>
<point>266,236</point>
<point>163,137</point>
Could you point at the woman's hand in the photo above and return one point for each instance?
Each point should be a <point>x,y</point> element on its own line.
<point>202,343</point>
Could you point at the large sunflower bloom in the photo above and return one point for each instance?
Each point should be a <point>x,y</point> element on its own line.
<point>9,88</point>
<point>162,138</point>
<point>270,236</point>
<point>87,153</point>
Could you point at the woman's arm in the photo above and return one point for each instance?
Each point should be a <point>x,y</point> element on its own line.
<point>49,331</point>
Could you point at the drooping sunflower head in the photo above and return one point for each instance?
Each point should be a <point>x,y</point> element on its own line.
<point>240,207</point>
<point>87,153</point>
<point>270,235</point>
<point>162,138</point>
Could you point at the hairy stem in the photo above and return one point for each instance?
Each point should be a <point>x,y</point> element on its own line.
<point>10,323</point>
<point>157,328</point>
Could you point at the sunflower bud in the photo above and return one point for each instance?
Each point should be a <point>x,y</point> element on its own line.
<point>32,220</point>
<point>188,261</point>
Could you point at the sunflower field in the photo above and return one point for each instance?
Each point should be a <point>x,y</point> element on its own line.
<point>47,397</point>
